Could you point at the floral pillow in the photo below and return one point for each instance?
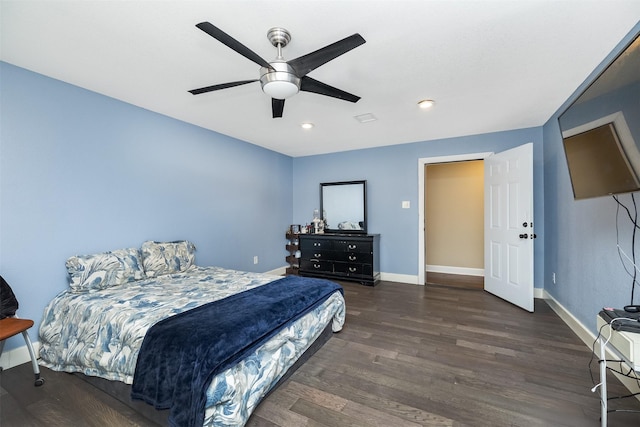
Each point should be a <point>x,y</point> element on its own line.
<point>104,270</point>
<point>160,258</point>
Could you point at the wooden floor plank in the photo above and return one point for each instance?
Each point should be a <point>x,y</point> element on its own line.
<point>444,354</point>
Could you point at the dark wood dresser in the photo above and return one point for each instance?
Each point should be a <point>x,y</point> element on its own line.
<point>353,257</point>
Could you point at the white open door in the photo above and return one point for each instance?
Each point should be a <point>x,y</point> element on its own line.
<point>508,225</point>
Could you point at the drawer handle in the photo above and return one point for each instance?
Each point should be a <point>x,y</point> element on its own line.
<point>317,244</point>
<point>352,269</point>
<point>316,265</point>
<point>352,257</point>
<point>352,246</point>
<point>317,255</point>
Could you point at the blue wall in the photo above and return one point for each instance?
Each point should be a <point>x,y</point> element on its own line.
<point>82,173</point>
<point>580,244</point>
<point>392,176</point>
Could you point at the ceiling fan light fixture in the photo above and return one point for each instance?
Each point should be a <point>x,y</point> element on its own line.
<point>426,103</point>
<point>279,82</point>
<point>280,89</point>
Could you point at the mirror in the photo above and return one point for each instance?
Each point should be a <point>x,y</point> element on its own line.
<point>601,130</point>
<point>344,206</point>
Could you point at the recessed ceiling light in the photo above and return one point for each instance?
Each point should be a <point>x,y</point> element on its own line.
<point>306,125</point>
<point>426,103</point>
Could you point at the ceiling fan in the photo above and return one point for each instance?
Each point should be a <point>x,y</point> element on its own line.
<point>282,79</point>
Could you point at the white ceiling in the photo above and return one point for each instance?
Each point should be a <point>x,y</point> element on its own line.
<point>490,65</point>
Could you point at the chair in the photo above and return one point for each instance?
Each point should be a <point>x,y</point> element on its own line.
<point>11,325</point>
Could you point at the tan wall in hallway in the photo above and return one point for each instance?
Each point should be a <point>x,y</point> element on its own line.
<point>454,214</point>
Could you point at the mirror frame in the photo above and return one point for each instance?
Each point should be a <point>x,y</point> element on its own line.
<point>362,183</point>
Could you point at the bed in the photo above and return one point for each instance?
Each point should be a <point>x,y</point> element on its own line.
<point>98,326</point>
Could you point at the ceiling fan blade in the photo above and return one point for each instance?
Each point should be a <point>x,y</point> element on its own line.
<point>232,43</point>
<point>307,84</point>
<point>220,86</point>
<point>313,60</point>
<point>277,105</point>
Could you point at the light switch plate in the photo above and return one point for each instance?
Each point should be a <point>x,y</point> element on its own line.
<point>406,204</point>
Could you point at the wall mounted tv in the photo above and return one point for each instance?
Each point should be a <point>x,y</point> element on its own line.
<point>601,130</point>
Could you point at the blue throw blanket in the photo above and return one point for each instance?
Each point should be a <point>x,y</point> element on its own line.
<point>181,354</point>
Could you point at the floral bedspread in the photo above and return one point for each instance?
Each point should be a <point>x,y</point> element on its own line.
<point>99,333</point>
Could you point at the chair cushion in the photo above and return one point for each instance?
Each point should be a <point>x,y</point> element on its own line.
<point>10,326</point>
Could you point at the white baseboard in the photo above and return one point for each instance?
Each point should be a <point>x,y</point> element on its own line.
<point>281,271</point>
<point>18,356</point>
<point>587,337</point>
<point>402,278</point>
<point>576,326</point>
<point>455,270</point>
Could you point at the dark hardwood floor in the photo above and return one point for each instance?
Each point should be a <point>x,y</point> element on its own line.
<point>407,356</point>
<point>454,280</point>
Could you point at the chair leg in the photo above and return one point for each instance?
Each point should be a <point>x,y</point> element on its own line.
<point>34,361</point>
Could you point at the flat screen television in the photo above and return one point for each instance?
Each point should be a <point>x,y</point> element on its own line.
<point>601,130</point>
<point>602,158</point>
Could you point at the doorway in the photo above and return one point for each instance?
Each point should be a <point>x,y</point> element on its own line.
<point>422,163</point>
<point>454,224</point>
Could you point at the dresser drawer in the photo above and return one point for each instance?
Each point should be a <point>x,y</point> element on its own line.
<point>351,269</point>
<point>316,265</point>
<point>357,246</point>
<point>311,245</point>
<point>353,257</point>
<point>317,254</point>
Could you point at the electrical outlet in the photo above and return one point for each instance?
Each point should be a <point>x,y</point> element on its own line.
<point>255,259</point>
